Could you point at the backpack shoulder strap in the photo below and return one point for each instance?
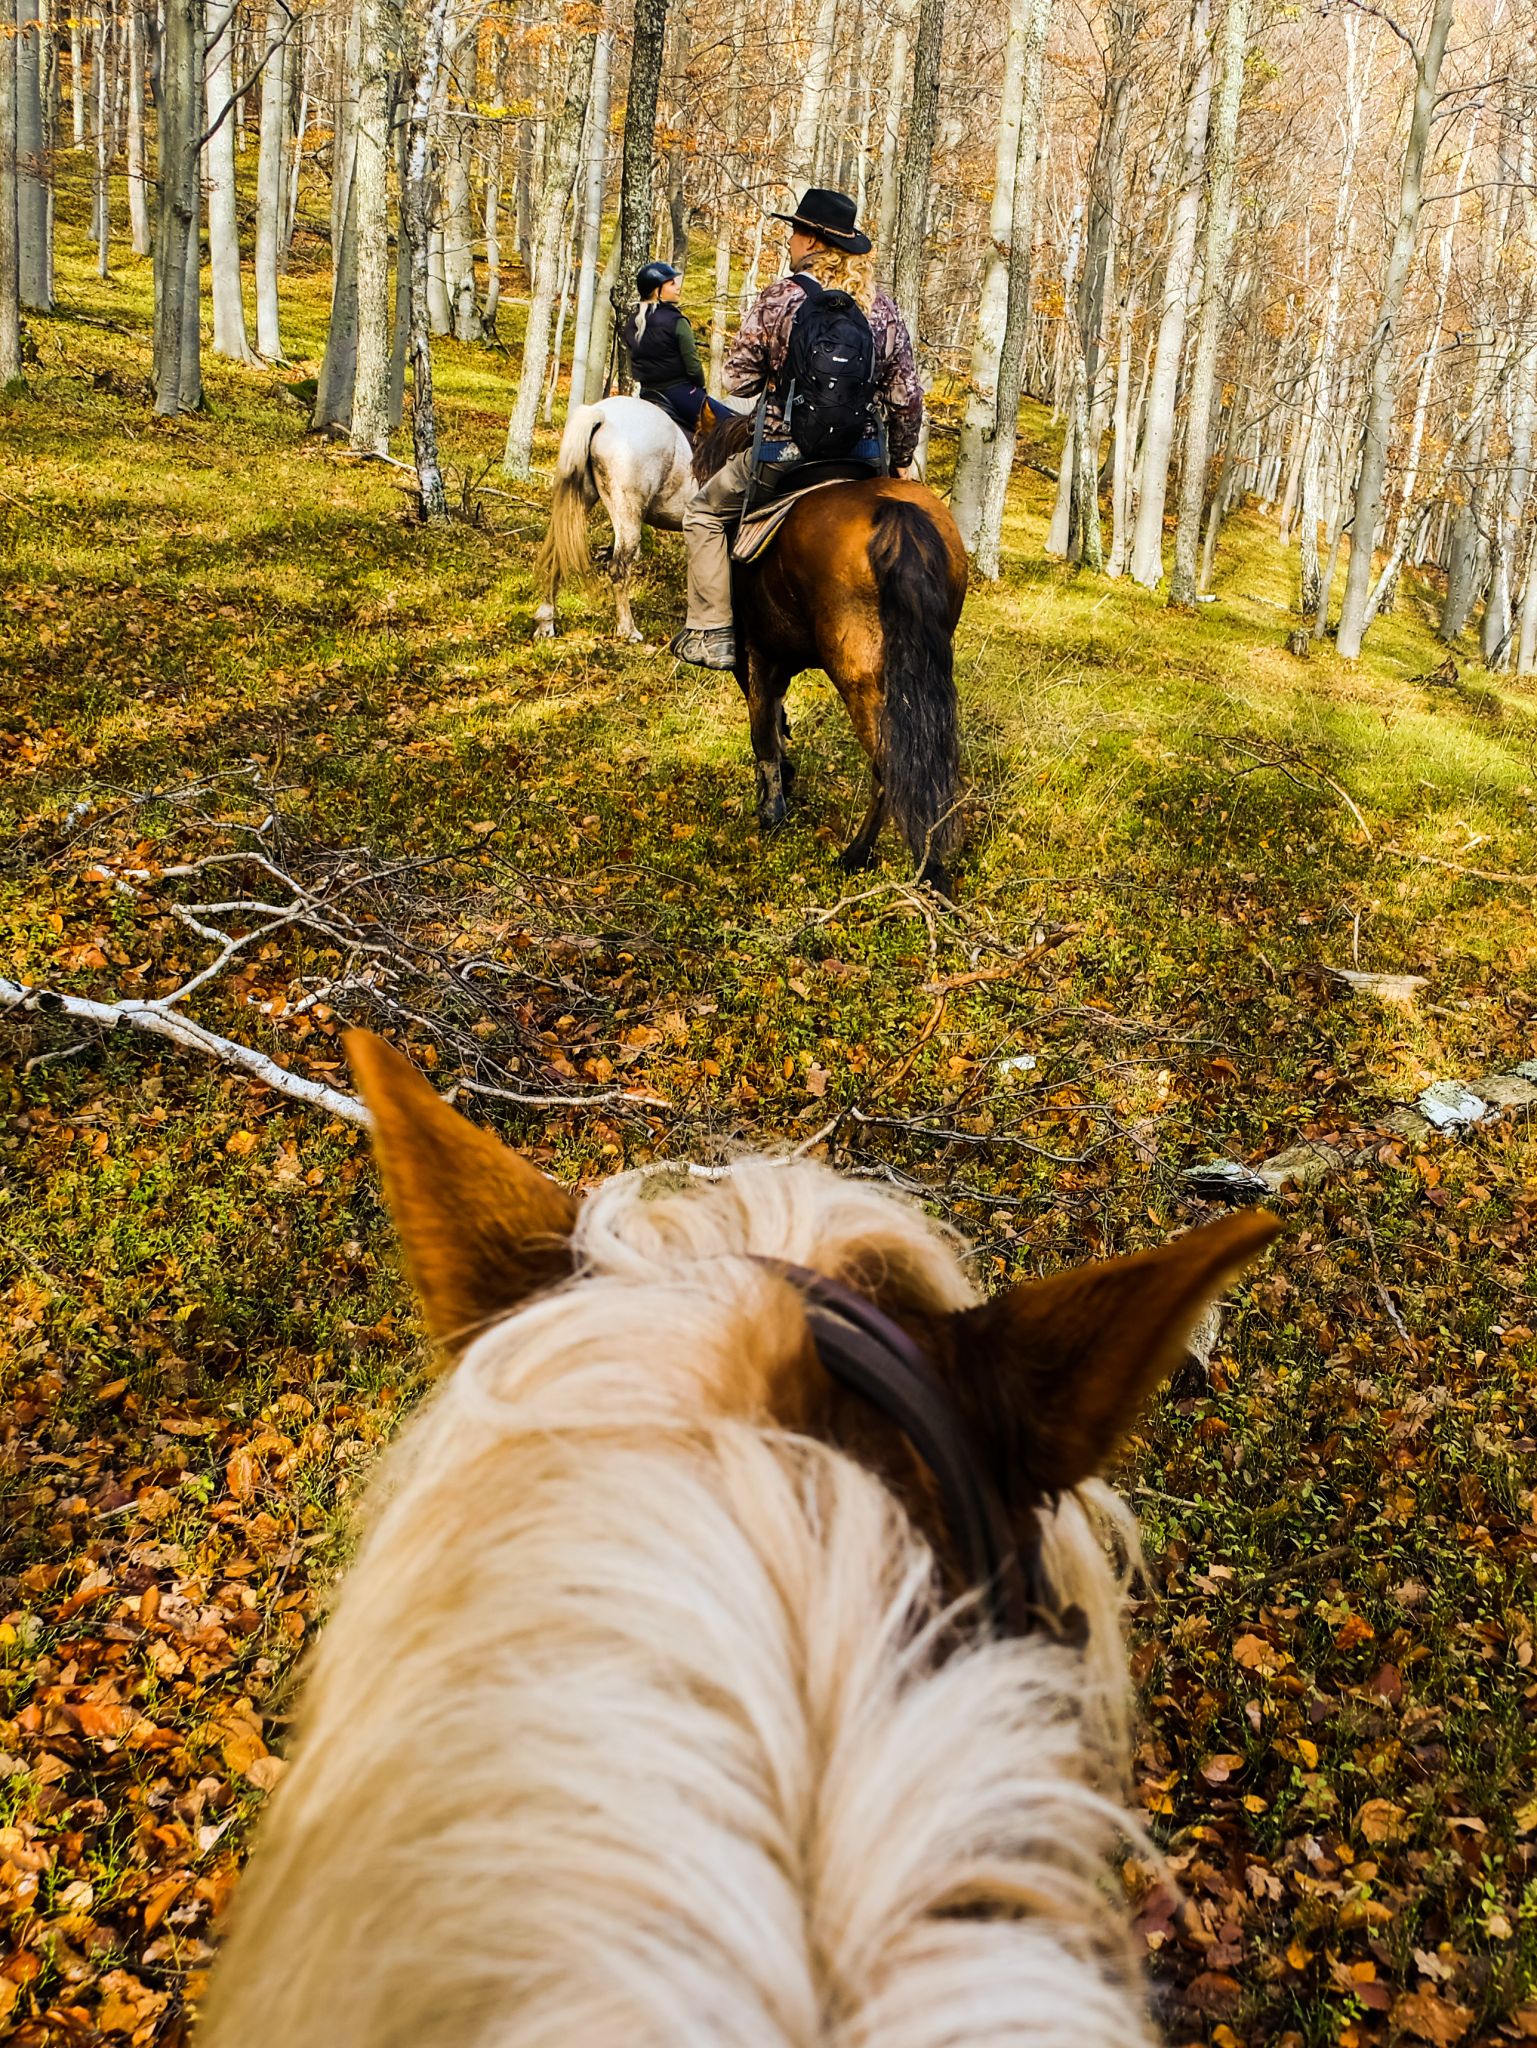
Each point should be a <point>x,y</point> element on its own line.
<point>811,287</point>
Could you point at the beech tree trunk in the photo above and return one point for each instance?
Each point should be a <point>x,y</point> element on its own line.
<point>565,146</point>
<point>1383,382</point>
<point>1222,160</point>
<point>1179,277</point>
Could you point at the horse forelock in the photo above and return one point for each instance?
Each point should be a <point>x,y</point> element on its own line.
<point>643,1722</point>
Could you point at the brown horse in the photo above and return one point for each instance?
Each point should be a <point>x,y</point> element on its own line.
<point>865,580</point>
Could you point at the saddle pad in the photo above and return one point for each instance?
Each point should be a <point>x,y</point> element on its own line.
<point>757,529</point>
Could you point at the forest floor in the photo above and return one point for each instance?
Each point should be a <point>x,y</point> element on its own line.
<point>219,624</point>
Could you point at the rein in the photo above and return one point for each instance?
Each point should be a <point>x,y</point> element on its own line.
<point>861,1347</point>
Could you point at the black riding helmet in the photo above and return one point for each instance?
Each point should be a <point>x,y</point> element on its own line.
<point>652,276</point>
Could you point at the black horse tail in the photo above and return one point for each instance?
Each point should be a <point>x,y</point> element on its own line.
<point>919,751</point>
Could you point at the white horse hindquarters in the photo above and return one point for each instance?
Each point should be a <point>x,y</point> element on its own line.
<point>635,459</point>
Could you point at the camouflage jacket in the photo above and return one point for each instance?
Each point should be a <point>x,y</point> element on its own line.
<point>757,355</point>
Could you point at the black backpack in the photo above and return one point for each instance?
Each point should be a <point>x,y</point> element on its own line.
<point>827,385</point>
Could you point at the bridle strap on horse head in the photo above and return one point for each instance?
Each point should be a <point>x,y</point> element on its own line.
<point>862,1348</point>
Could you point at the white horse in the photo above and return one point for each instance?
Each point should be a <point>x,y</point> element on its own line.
<point>633,456</point>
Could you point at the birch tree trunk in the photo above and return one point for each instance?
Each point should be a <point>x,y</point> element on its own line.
<point>600,345</point>
<point>76,77</point>
<point>801,169</point>
<point>913,179</point>
<point>1222,158</point>
<point>103,53</point>
<point>980,421</point>
<point>1011,357</point>
<point>1179,276</point>
<point>592,216</point>
<point>459,235</point>
<point>1314,592</point>
<point>34,213</point>
<point>636,177</point>
<point>339,365</point>
<point>138,196</point>
<point>416,200</point>
<point>1075,529</point>
<point>178,368</point>
<point>378,33</point>
<point>891,125</point>
<point>565,146</point>
<point>720,305</point>
<point>10,263</point>
<point>271,180</point>
<point>229,335</point>
<point>1382,386</point>
<point>492,216</point>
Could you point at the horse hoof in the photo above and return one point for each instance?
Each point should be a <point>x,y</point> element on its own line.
<point>937,875</point>
<point>544,629</point>
<point>772,816</point>
<point>855,859</point>
<point>632,639</point>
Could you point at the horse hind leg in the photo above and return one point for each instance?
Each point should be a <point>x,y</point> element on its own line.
<point>860,851</point>
<point>621,568</point>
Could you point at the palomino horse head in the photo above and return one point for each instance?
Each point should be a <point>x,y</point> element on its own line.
<point>644,1716</point>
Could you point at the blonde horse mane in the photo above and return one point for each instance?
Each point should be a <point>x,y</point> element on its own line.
<point>641,1720</point>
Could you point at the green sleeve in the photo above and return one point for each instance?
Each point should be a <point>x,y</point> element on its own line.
<point>688,348</point>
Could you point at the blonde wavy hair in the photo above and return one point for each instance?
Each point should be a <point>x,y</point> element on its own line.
<point>837,271</point>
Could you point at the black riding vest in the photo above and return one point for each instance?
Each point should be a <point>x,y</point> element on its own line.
<point>654,354</point>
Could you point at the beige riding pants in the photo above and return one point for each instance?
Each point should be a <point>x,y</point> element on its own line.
<point>705,529</point>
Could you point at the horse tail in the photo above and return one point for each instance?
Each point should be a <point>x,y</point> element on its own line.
<point>564,550</point>
<point>919,750</point>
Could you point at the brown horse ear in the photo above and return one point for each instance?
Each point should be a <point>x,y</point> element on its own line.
<point>481,1229</point>
<point>707,421</point>
<point>1057,1370</point>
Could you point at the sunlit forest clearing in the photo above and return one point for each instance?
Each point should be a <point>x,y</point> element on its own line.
<point>221,633</point>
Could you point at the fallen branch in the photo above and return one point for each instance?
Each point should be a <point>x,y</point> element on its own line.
<point>1452,867</point>
<point>161,1022</point>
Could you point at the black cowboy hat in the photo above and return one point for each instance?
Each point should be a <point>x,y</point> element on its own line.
<point>830,217</point>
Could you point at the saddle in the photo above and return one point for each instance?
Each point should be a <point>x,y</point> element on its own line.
<point>660,400</point>
<point>775,495</point>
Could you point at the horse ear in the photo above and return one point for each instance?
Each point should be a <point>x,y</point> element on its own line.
<point>481,1229</point>
<point>1057,1370</point>
<point>708,419</point>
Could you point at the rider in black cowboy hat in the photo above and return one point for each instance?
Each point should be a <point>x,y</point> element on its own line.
<point>827,250</point>
<point>662,350</point>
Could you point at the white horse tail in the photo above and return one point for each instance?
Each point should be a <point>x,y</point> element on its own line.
<point>564,550</point>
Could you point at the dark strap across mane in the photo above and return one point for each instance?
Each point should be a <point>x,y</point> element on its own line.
<point>861,1347</point>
